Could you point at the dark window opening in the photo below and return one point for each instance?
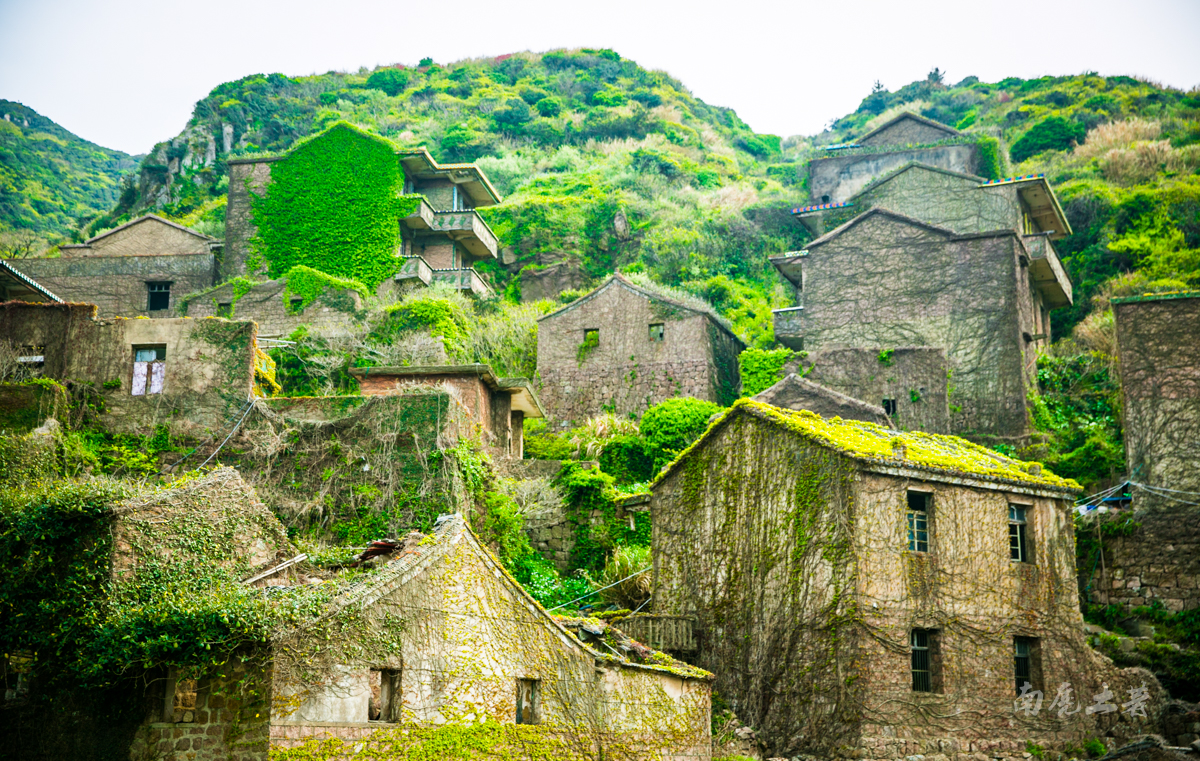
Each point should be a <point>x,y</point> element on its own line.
<point>889,406</point>
<point>656,332</point>
<point>181,699</point>
<point>824,199</point>
<point>295,304</point>
<point>1018,540</point>
<point>225,309</point>
<point>386,697</point>
<point>528,701</point>
<point>1027,663</point>
<point>158,296</point>
<point>926,662</point>
<point>918,521</point>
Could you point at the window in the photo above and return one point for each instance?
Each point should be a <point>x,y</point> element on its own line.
<point>824,199</point>
<point>656,332</point>
<point>149,369</point>
<point>295,304</point>
<point>528,701</point>
<point>158,296</point>
<point>225,309</point>
<point>923,645</point>
<point>1027,663</point>
<point>1018,539</point>
<point>918,521</point>
<point>386,697</point>
<point>889,406</point>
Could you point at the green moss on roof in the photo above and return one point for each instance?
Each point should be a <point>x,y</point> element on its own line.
<point>871,442</point>
<point>1158,296</point>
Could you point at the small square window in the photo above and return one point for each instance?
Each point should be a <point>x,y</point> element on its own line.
<point>158,296</point>
<point>295,304</point>
<point>225,309</point>
<point>917,517</point>
<point>889,406</point>
<point>386,697</point>
<point>1018,536</point>
<point>529,701</point>
<point>656,332</point>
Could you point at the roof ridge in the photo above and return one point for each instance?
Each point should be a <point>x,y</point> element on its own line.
<point>837,231</point>
<point>143,218</point>
<point>911,115</point>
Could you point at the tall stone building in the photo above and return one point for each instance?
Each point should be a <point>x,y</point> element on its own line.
<point>625,347</point>
<point>917,254</point>
<point>866,593</point>
<point>140,269</point>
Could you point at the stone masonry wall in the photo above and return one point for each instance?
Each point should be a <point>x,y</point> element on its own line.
<point>117,285</point>
<point>914,378</point>
<point>907,131</point>
<point>840,177</point>
<point>334,312</point>
<point>628,372</point>
<point>144,237</point>
<point>245,177</point>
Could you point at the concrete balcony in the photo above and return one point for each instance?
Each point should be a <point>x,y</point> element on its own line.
<point>1047,272</point>
<point>464,279</point>
<point>464,227</point>
<point>788,328</point>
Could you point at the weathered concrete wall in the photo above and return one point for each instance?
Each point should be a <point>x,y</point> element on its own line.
<point>886,281</point>
<point>209,363</point>
<point>245,177</point>
<point>628,372</point>
<point>117,284</point>
<point>796,393</point>
<point>907,131</point>
<point>840,177</point>
<point>277,313</point>
<point>913,378</point>
<point>548,282</point>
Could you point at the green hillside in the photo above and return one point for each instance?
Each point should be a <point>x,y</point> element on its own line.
<point>50,178</point>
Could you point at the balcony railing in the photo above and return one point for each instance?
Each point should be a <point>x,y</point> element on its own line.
<point>465,227</point>
<point>464,279</point>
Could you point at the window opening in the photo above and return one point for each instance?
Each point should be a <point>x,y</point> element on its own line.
<point>149,369</point>
<point>889,406</point>
<point>1025,650</point>
<point>921,645</point>
<point>158,296</point>
<point>295,303</point>
<point>656,332</point>
<point>918,521</point>
<point>824,199</point>
<point>386,697</point>
<point>225,309</point>
<point>1018,546</point>
<point>528,701</point>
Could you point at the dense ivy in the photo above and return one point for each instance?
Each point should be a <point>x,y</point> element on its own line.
<point>670,426</point>
<point>762,368</point>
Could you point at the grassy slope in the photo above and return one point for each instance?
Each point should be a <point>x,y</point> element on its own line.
<point>49,177</point>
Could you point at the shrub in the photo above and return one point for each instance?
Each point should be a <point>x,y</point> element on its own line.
<point>440,316</point>
<point>548,106</point>
<point>632,589</point>
<point>513,115</point>
<point>1054,133</point>
<point>391,81</point>
<point>671,426</point>
<point>626,460</point>
<point>761,368</point>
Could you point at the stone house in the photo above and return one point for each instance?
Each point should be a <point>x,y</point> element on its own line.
<point>440,239</point>
<point>794,392</point>
<point>885,280</point>
<point>493,409</point>
<point>909,383</point>
<point>848,167</point>
<point>139,269</point>
<point>1160,383</point>
<point>191,375</point>
<point>861,592</point>
<point>279,310</point>
<point>17,286</point>
<point>625,347</point>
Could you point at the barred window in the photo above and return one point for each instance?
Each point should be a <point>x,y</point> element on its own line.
<point>922,645</point>
<point>1026,663</point>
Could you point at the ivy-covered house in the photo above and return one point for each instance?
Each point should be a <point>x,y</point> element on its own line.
<point>357,206</point>
<point>627,346</point>
<point>139,269</point>
<point>182,624</point>
<point>862,592</point>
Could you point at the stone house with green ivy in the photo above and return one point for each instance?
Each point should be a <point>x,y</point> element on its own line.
<point>357,206</point>
<point>139,269</point>
<point>627,346</point>
<point>867,593</point>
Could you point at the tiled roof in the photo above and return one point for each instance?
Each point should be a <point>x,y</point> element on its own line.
<point>1022,178</point>
<point>821,207</point>
<point>28,281</point>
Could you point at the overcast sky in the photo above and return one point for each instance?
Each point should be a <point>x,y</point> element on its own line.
<point>126,73</point>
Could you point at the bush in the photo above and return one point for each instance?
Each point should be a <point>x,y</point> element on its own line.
<point>391,81</point>
<point>548,106</point>
<point>441,317</point>
<point>1053,133</point>
<point>670,427</point>
<point>762,368</point>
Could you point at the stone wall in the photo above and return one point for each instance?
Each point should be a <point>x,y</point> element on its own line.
<point>906,130</point>
<point>840,177</point>
<point>1158,561</point>
<point>627,371</point>
<point>913,378</point>
<point>796,393</point>
<point>117,284</point>
<point>278,313</point>
<point>551,280</point>
<point>145,236</point>
<point>209,368</point>
<point>887,281</point>
<point>245,177</point>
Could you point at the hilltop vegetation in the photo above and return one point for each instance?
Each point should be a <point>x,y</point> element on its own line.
<point>50,178</point>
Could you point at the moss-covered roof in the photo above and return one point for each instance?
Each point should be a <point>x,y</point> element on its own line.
<point>872,443</point>
<point>1157,297</point>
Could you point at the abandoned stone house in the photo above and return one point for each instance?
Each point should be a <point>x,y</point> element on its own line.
<point>494,409</point>
<point>440,239</point>
<point>277,309</point>
<point>191,375</point>
<point>884,280</point>
<point>861,592</point>
<point>794,392</point>
<point>625,347</point>
<point>1160,384</point>
<point>17,286</point>
<point>432,641</point>
<point>139,269</point>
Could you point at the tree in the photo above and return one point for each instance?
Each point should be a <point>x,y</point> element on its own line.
<point>19,244</point>
<point>391,81</point>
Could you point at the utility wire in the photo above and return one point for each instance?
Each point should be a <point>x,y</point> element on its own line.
<point>249,406</point>
<point>241,409</point>
<point>601,589</point>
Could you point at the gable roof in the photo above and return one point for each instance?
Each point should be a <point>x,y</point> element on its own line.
<point>879,211</point>
<point>11,272</point>
<point>885,178</point>
<point>148,217</point>
<point>950,131</point>
<point>452,531</point>
<point>622,281</point>
<point>793,381</point>
<point>927,456</point>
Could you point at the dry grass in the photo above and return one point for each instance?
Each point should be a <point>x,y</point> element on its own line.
<point>1102,139</point>
<point>590,438</point>
<point>1129,153</point>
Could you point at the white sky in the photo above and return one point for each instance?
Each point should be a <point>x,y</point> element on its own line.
<point>126,73</point>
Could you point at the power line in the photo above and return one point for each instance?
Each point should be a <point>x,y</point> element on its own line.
<point>601,589</point>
